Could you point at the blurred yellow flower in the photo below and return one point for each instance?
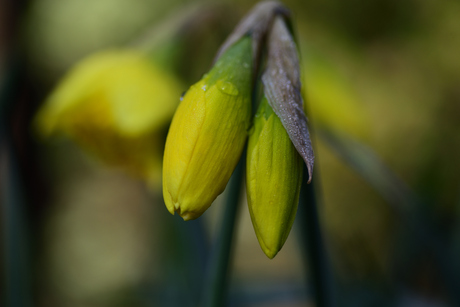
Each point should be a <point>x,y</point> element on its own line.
<point>208,133</point>
<point>114,104</point>
<point>273,178</point>
<point>331,100</point>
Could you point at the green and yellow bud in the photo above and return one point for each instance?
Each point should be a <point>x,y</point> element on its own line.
<point>273,178</point>
<point>208,133</point>
<point>115,104</point>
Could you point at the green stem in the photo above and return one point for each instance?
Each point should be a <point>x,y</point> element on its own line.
<point>183,257</point>
<point>215,287</point>
<point>17,279</point>
<point>312,239</point>
<point>13,209</point>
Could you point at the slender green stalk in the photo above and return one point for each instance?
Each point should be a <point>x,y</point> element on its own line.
<point>184,251</point>
<point>17,279</point>
<point>366,163</point>
<point>312,239</point>
<point>216,280</point>
<point>420,231</point>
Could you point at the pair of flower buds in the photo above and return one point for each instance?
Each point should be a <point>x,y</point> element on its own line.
<point>214,119</point>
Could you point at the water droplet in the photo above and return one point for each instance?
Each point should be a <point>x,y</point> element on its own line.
<point>182,96</point>
<point>227,88</point>
<point>204,87</point>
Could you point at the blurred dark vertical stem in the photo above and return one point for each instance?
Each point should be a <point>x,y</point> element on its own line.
<point>185,251</point>
<point>312,240</point>
<point>193,241</point>
<point>215,287</point>
<point>16,290</point>
<point>16,264</point>
<point>16,261</point>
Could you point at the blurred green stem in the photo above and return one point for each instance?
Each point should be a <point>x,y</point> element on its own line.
<point>13,207</point>
<point>365,162</point>
<point>215,287</point>
<point>17,279</point>
<point>312,240</point>
<point>184,258</point>
<point>422,232</point>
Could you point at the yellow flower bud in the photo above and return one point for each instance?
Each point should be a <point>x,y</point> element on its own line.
<point>273,178</point>
<point>114,104</point>
<point>208,133</point>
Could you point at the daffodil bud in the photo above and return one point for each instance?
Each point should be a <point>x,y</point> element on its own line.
<point>208,133</point>
<point>114,104</point>
<point>273,178</point>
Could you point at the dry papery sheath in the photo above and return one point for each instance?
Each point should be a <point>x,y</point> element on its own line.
<point>281,79</point>
<point>256,23</point>
<point>282,89</point>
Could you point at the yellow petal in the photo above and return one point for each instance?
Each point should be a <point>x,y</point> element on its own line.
<point>143,97</point>
<point>140,95</point>
<point>114,104</point>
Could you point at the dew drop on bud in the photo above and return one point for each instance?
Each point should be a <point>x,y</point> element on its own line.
<point>227,88</point>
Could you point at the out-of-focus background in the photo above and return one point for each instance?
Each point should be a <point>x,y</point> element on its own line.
<point>382,87</point>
